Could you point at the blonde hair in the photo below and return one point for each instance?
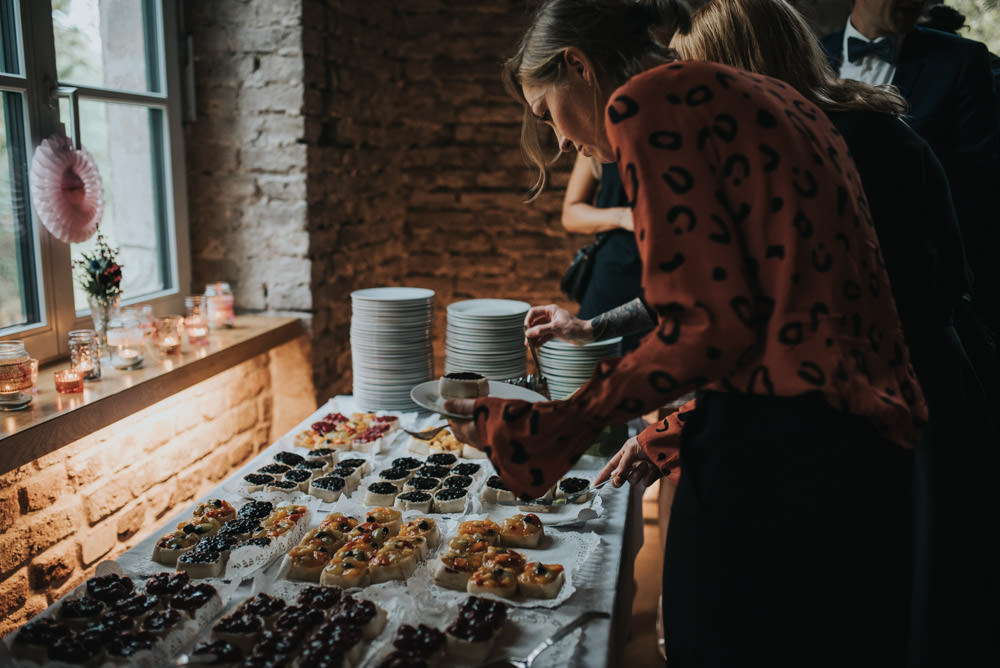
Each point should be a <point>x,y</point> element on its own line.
<point>619,37</point>
<point>731,32</point>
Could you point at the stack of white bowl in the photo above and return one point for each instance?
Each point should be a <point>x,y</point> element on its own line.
<point>486,336</point>
<point>391,346</point>
<point>567,366</point>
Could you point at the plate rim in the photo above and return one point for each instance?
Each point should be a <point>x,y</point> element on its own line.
<point>440,411</point>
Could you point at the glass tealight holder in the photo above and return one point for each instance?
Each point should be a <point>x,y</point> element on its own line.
<point>125,338</point>
<point>167,334</point>
<point>195,321</point>
<point>15,376</point>
<point>219,307</point>
<point>85,353</point>
<point>68,381</point>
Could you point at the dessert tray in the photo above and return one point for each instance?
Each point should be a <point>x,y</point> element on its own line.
<point>218,549</point>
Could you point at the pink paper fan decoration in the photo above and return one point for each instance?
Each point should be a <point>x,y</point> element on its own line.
<point>66,189</point>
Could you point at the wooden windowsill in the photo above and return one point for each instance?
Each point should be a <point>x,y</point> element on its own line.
<point>55,420</point>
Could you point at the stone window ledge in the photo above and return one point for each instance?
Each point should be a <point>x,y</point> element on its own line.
<point>54,420</point>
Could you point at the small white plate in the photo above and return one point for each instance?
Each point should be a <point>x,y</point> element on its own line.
<point>426,396</point>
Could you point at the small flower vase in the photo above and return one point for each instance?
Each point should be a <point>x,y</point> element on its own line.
<point>102,310</point>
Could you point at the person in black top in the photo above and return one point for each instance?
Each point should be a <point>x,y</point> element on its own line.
<point>909,197</point>
<point>595,203</point>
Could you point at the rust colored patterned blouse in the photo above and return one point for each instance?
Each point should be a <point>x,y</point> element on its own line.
<point>759,257</point>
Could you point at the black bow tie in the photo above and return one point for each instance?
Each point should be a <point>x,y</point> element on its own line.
<point>884,48</point>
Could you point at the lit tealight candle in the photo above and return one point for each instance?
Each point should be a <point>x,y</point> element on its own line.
<point>68,381</point>
<point>197,335</point>
<point>127,358</point>
<point>169,345</point>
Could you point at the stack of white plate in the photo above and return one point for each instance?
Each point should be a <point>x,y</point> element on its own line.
<point>486,336</point>
<point>391,346</point>
<point>567,366</point>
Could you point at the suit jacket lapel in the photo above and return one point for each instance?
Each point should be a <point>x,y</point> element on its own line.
<point>912,58</point>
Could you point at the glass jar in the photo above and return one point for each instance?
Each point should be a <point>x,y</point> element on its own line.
<point>15,376</point>
<point>195,320</point>
<point>125,338</point>
<point>85,353</point>
<point>147,322</point>
<point>219,305</point>
<point>168,334</point>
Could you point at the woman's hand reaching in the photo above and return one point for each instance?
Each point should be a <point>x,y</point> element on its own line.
<point>544,323</point>
<point>631,464</point>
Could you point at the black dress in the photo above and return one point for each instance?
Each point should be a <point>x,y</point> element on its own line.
<point>922,245</point>
<point>617,274</point>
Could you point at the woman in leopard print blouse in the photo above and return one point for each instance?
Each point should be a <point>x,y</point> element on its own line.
<point>790,527</point>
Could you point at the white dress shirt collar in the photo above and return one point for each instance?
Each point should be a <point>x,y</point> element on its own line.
<point>871,69</point>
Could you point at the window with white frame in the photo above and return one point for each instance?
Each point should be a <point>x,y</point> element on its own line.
<point>104,72</point>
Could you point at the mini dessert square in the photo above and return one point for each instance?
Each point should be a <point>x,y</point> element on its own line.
<point>493,580</point>
<point>328,488</point>
<point>422,484</point>
<point>110,588</point>
<point>315,466</point>
<point>288,458</point>
<point>255,482</point>
<point>413,500</point>
<point>496,491</point>
<point>463,385</point>
<point>408,463</point>
<point>274,469</point>
<point>487,528</point>
<point>357,463</point>
<point>300,477</point>
<point>166,585</point>
<point>285,486</point>
<point>457,482</point>
<point>450,500</point>
<point>396,476</point>
<point>522,530</point>
<point>381,494</point>
<point>442,459</point>
<point>453,568</point>
<point>366,615</point>
<point>389,518</point>
<point>433,471</point>
<point>573,487</point>
<point>257,510</point>
<point>201,563</point>
<point>466,468</point>
<point>538,580</point>
<point>425,527</point>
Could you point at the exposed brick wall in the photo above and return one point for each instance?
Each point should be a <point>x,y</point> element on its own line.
<point>99,496</point>
<point>408,165</point>
<point>246,156</point>
<point>345,144</point>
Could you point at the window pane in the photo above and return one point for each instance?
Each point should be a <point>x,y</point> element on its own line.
<point>19,303</point>
<point>127,142</point>
<point>107,44</point>
<point>10,61</point>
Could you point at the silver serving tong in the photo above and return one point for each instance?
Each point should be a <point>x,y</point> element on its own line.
<point>527,661</point>
<point>539,383</point>
<point>426,434</point>
<point>549,505</point>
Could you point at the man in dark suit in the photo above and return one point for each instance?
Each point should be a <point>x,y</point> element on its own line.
<point>949,85</point>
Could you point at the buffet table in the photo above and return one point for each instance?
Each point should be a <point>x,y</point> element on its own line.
<point>596,540</point>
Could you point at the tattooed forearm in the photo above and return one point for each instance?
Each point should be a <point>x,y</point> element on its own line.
<point>628,318</point>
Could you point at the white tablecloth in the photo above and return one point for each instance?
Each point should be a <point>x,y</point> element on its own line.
<point>603,581</point>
